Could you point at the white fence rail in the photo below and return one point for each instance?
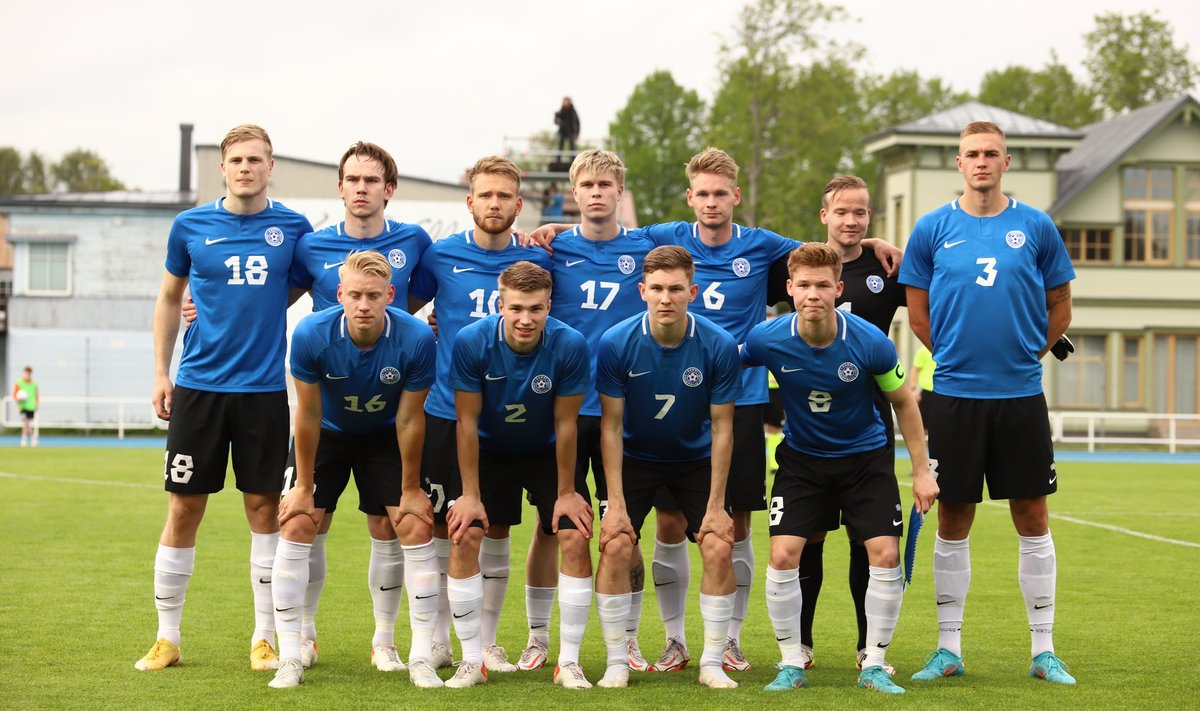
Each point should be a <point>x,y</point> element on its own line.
<point>88,413</point>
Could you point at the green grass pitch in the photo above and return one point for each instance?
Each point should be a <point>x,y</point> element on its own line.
<point>78,529</point>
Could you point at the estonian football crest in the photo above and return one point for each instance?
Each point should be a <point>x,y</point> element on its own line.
<point>741,267</point>
<point>397,258</point>
<point>389,376</point>
<point>692,377</point>
<point>541,384</point>
<point>273,236</point>
<point>875,283</point>
<point>1015,239</point>
<point>848,372</point>
<point>626,264</point>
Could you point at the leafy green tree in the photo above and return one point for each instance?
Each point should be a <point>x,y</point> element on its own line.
<point>37,174</point>
<point>12,178</point>
<point>1134,61</point>
<point>660,127</point>
<point>82,171</point>
<point>905,95</point>
<point>1051,93</point>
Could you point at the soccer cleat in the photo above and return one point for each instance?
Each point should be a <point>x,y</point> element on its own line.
<point>289,676</point>
<point>1049,667</point>
<point>733,659</point>
<point>806,654</point>
<point>862,655</point>
<point>788,678</point>
<point>162,655</point>
<point>714,677</point>
<point>308,653</point>
<point>876,678</point>
<point>469,674</point>
<point>534,656</point>
<point>636,661</point>
<point>423,675</point>
<point>496,660</point>
<point>674,658</point>
<point>569,675</point>
<point>263,656</point>
<point>942,663</point>
<point>616,676</point>
<point>442,656</point>
<point>386,658</point>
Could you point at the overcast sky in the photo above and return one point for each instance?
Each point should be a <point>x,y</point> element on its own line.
<point>436,83</point>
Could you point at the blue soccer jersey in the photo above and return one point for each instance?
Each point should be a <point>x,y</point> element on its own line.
<point>828,393</point>
<point>360,389</point>
<point>237,271</point>
<point>733,283</point>
<point>321,253</point>
<point>519,389</point>
<point>668,391</point>
<point>987,279</point>
<point>462,276</point>
<point>595,287</point>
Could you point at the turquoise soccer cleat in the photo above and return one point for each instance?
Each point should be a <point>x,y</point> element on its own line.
<point>788,678</point>
<point>1049,667</point>
<point>941,664</point>
<point>876,679</point>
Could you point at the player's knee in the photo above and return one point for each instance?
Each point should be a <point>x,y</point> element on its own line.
<point>300,529</point>
<point>716,551</point>
<point>185,512</point>
<point>575,553</point>
<point>380,528</point>
<point>619,551</point>
<point>671,526</point>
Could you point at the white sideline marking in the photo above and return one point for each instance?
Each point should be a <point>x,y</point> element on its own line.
<point>67,480</point>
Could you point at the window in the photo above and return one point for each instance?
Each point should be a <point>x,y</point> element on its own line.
<point>1088,245</point>
<point>1131,373</point>
<point>1080,381</point>
<point>1176,373</point>
<point>47,268</point>
<point>1149,215</point>
<point>1191,208</point>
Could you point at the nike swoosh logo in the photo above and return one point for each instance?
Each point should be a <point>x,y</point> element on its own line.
<point>495,577</point>
<point>460,270</point>
<point>537,627</point>
<point>744,586</point>
<point>335,264</point>
<point>782,639</point>
<point>211,242</point>
<point>881,645</point>
<point>948,245</point>
<point>659,585</point>
<point>426,597</point>
<point>786,369</point>
<point>489,376</point>
<point>168,597</point>
<point>638,375</point>
<point>266,581</point>
<point>284,609</point>
<point>1042,607</point>
<point>459,617</point>
<point>1053,478</point>
<point>944,602</point>
<point>386,589</point>
<point>577,261</point>
<point>898,523</point>
<point>330,376</point>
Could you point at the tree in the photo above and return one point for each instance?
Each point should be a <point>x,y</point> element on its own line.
<point>1134,61</point>
<point>660,127</point>
<point>1051,93</point>
<point>37,174</point>
<point>12,178</point>
<point>903,96</point>
<point>82,171</point>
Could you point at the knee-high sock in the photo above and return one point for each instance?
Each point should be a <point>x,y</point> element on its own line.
<point>385,575</point>
<point>715,611</point>
<point>421,578</point>
<point>289,577</point>
<point>466,607</point>
<point>493,565</point>
<point>539,603</point>
<point>441,631</point>
<point>743,572</point>
<point>672,572</point>
<point>634,620</point>
<point>613,611</point>
<point>172,570</point>
<point>262,558</point>
<point>885,591</point>
<point>951,579</point>
<point>811,574</point>
<point>860,575</point>
<point>783,607</point>
<point>574,604</point>
<point>1037,571</point>
<point>316,584</point>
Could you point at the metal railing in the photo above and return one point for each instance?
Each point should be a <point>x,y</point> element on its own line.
<point>88,413</point>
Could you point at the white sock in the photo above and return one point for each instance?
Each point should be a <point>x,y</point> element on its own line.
<point>613,610</point>
<point>634,620</point>
<point>574,605</point>
<point>783,607</point>
<point>885,591</point>
<point>441,631</point>
<point>672,572</point>
<point>539,603</point>
<point>421,578</point>
<point>289,577</point>
<point>715,610</point>
<point>172,570</point>
<point>493,566</point>
<point>466,607</point>
<point>1037,572</point>
<point>743,573</point>
<point>951,578</point>
<point>316,583</point>
<point>385,575</point>
<point>262,558</point>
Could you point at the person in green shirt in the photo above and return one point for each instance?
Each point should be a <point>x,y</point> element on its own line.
<point>25,393</point>
<point>920,377</point>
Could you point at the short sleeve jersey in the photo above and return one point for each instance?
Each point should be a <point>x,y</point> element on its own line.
<point>596,287</point>
<point>319,255</point>
<point>237,270</point>
<point>461,276</point>
<point>733,283</point>
<point>869,292</point>
<point>668,391</point>
<point>987,279</point>
<point>828,393</point>
<point>360,389</point>
<point>519,390</point>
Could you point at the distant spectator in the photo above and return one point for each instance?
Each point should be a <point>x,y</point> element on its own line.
<point>552,203</point>
<point>567,121</point>
<point>25,392</point>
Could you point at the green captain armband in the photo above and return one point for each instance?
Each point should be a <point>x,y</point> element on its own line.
<point>891,380</point>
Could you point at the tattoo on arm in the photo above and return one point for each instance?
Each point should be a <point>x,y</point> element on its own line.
<point>1059,294</point>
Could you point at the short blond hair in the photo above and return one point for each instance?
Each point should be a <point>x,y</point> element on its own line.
<point>668,257</point>
<point>840,183</point>
<point>525,277</point>
<point>712,160</point>
<point>982,127</point>
<point>367,263</point>
<point>815,255</point>
<point>245,132</point>
<point>494,165</point>
<point>598,161</point>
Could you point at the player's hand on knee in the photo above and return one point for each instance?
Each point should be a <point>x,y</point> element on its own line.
<point>615,523</point>
<point>414,504</point>
<point>716,522</point>
<point>577,510</point>
<point>465,511</point>
<point>297,502</point>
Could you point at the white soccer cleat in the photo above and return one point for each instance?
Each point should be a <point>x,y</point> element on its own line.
<point>616,676</point>
<point>636,661</point>
<point>495,659</point>
<point>714,677</point>
<point>534,656</point>
<point>308,653</point>
<point>569,675</point>
<point>732,658</point>
<point>674,658</point>
<point>862,655</point>
<point>442,656</point>
<point>423,675</point>
<point>469,674</point>
<point>289,675</point>
<point>806,656</point>
<point>386,658</point>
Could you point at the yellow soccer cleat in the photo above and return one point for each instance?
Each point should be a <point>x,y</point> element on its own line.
<point>162,655</point>
<point>263,656</point>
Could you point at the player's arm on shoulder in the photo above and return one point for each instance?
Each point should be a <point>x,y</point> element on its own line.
<point>888,254</point>
<point>166,330</point>
<point>1058,309</point>
<point>543,236</point>
<point>918,314</point>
